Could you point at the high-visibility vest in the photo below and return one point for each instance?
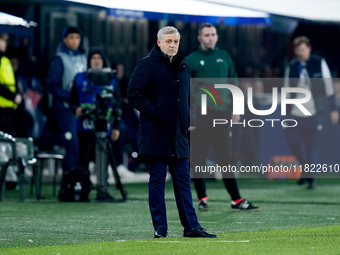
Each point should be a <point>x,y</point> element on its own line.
<point>7,79</point>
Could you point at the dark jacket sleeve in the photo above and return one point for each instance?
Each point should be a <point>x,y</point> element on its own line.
<point>6,93</point>
<point>74,96</point>
<point>117,108</point>
<point>192,106</point>
<point>138,90</point>
<point>54,79</point>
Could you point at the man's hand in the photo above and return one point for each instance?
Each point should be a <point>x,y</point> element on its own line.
<point>17,99</point>
<point>334,116</point>
<point>115,134</point>
<point>191,128</point>
<point>79,111</point>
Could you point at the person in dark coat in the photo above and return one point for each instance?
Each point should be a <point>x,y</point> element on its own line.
<point>159,89</point>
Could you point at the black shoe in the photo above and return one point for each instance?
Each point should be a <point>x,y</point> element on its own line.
<point>244,205</point>
<point>161,233</point>
<point>203,205</point>
<point>301,181</point>
<point>311,183</point>
<point>198,232</point>
<point>103,196</point>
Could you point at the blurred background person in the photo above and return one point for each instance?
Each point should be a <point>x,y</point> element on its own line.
<point>10,97</point>
<point>27,119</point>
<point>83,95</point>
<point>68,61</point>
<point>127,143</point>
<point>211,62</point>
<point>310,72</point>
<point>26,122</point>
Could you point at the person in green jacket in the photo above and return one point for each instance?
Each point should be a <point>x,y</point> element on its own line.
<point>208,63</point>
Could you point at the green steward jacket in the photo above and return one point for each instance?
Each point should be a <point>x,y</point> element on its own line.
<point>208,64</point>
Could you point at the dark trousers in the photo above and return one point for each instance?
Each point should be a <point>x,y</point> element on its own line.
<point>67,124</point>
<point>128,140</point>
<point>86,148</point>
<point>304,140</point>
<point>219,140</point>
<point>6,120</point>
<point>179,170</point>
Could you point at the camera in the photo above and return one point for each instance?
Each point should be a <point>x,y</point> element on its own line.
<point>99,112</point>
<point>104,109</point>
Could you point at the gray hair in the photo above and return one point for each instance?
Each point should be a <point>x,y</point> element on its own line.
<point>167,30</point>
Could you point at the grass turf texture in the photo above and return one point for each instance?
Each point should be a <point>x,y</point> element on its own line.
<point>292,220</point>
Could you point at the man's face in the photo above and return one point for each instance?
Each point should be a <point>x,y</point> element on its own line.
<point>208,38</point>
<point>72,41</point>
<point>96,61</point>
<point>3,45</point>
<point>303,52</point>
<point>169,44</point>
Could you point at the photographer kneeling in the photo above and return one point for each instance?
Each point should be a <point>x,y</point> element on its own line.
<point>95,98</point>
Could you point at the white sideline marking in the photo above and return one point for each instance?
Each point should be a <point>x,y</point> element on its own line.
<point>219,241</point>
<point>170,241</point>
<point>208,222</point>
<point>202,222</point>
<point>256,222</point>
<point>229,241</point>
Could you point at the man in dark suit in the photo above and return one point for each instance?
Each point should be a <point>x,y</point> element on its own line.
<point>159,89</point>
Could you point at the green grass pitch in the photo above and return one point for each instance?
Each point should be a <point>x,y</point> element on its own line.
<point>292,220</point>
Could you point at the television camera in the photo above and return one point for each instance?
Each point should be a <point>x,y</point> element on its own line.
<point>102,112</point>
<point>104,109</point>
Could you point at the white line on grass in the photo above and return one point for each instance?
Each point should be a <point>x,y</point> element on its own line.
<point>202,222</point>
<point>256,222</point>
<point>186,241</point>
<point>209,222</point>
<point>169,241</point>
<point>230,241</point>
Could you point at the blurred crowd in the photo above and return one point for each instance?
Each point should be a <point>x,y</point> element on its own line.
<point>37,107</point>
